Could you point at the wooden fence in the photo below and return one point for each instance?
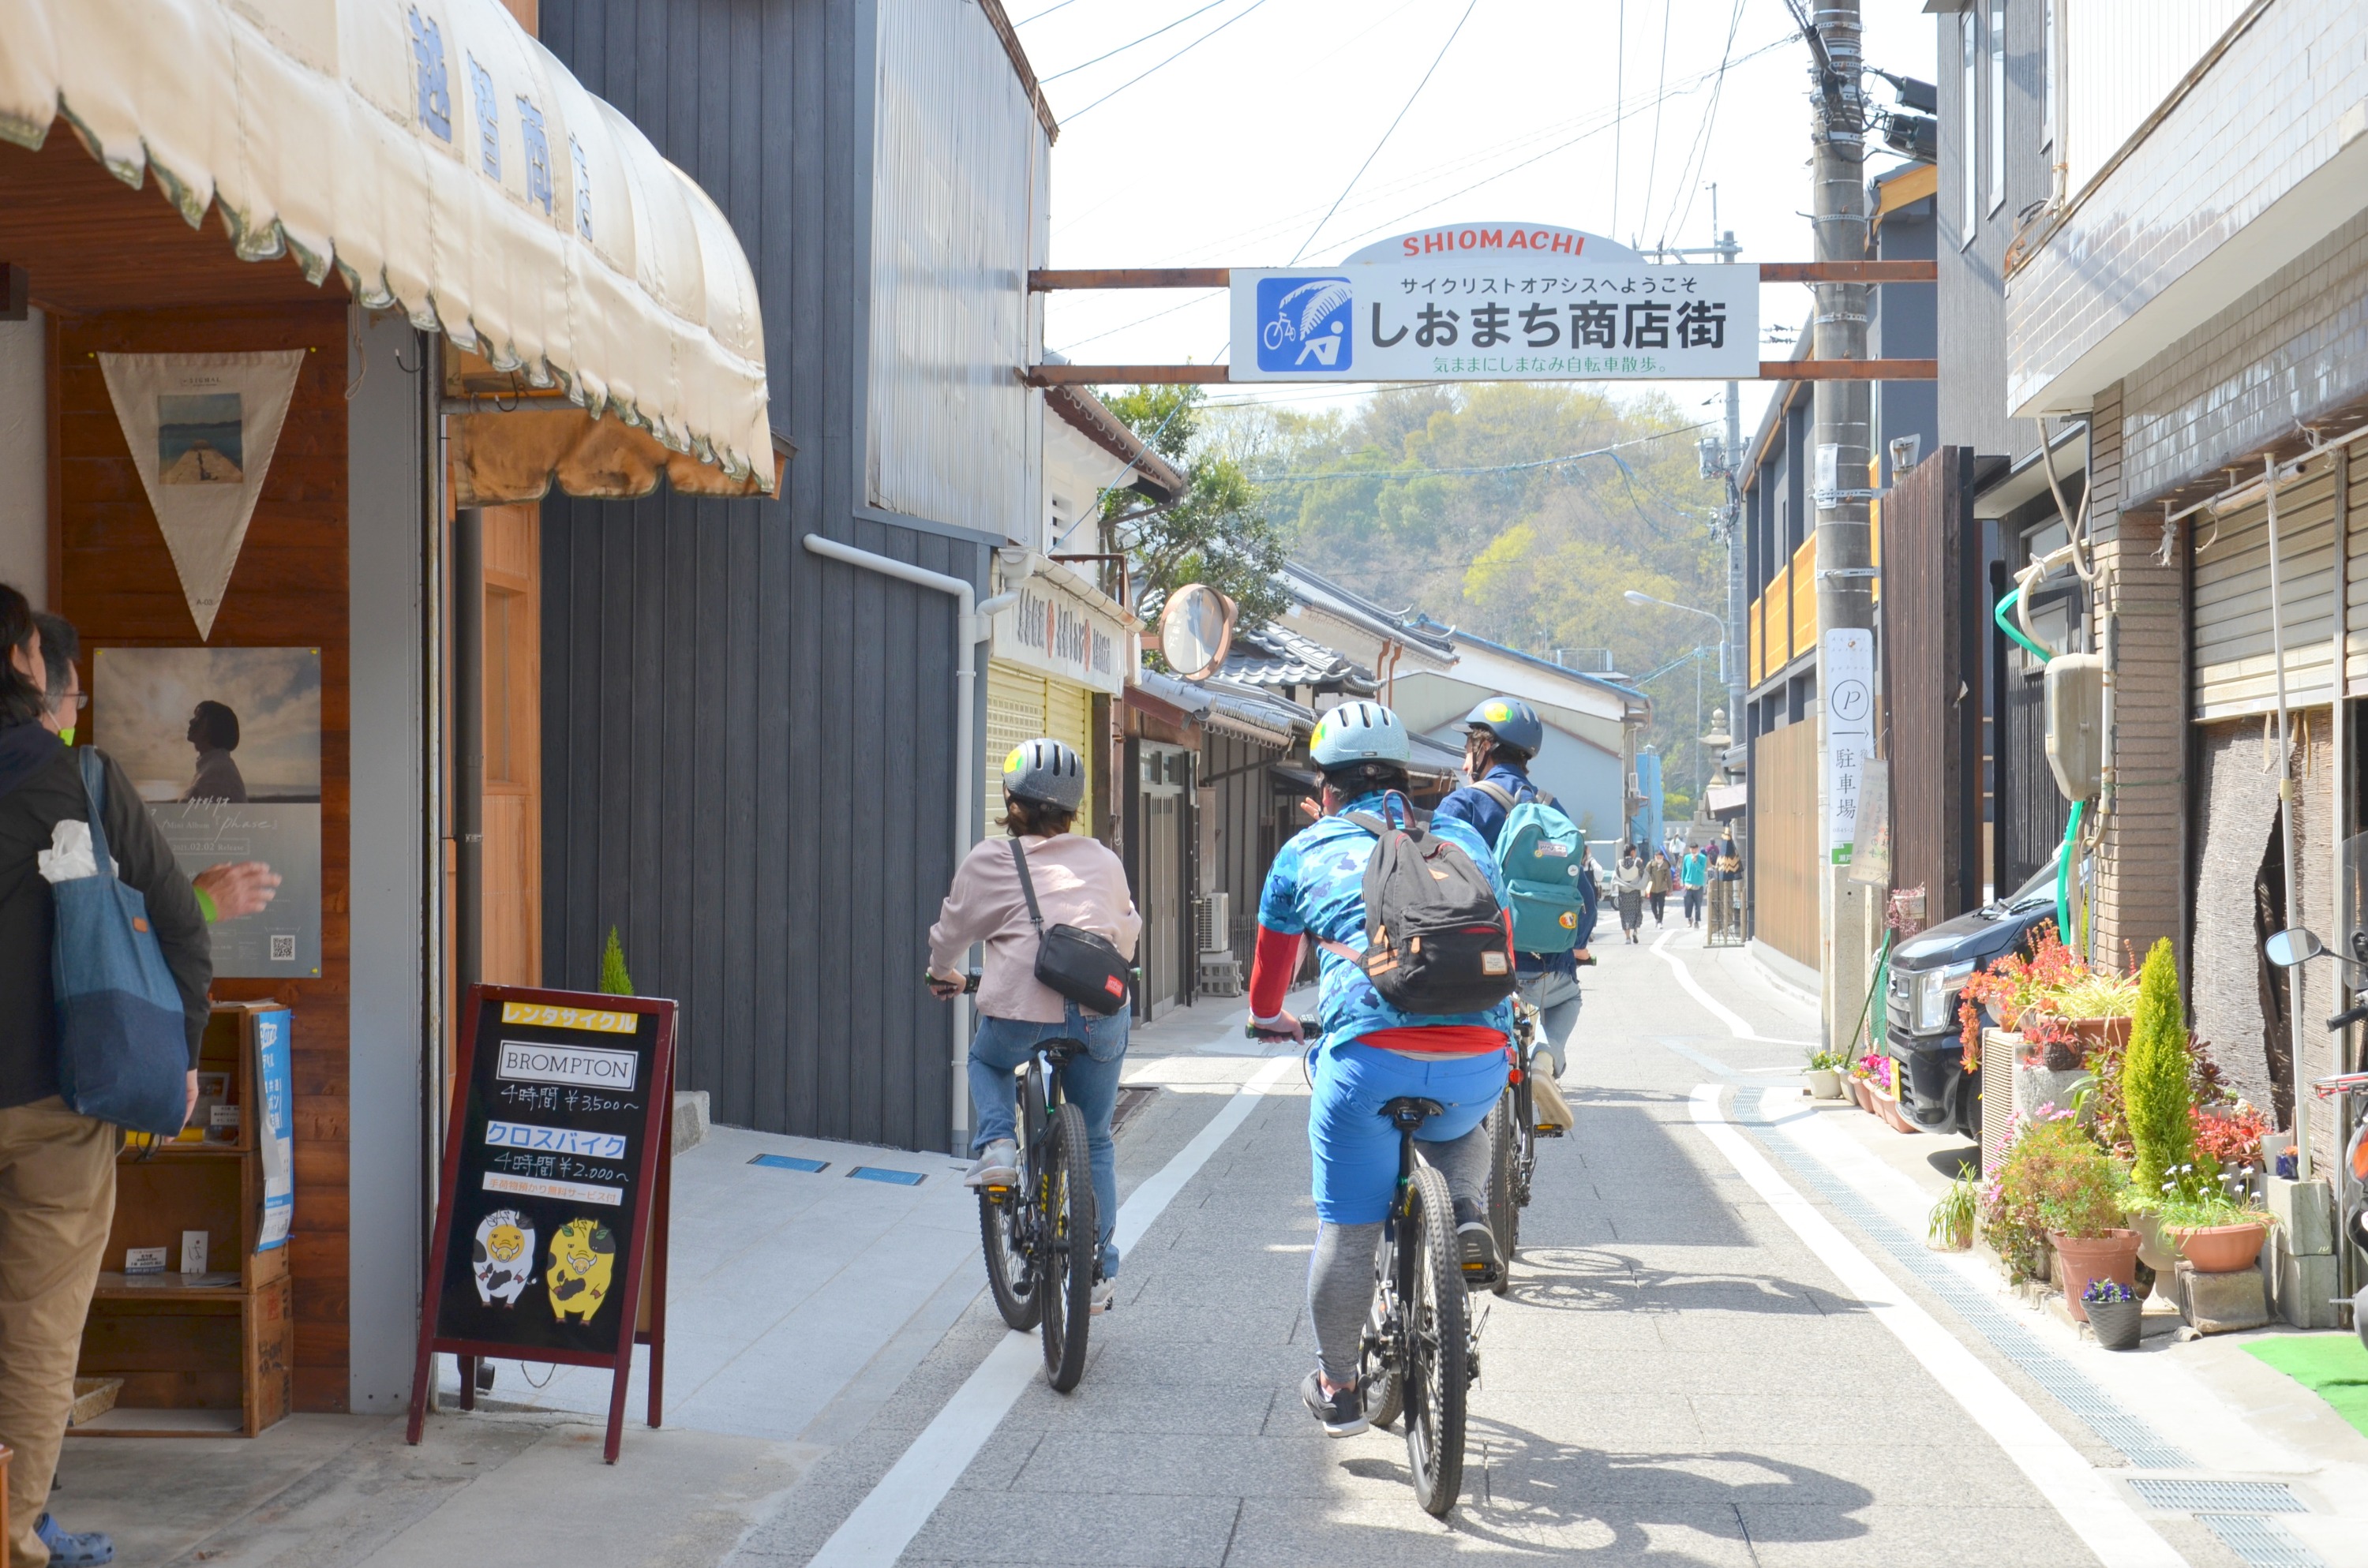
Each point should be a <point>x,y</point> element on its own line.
<point>1784,840</point>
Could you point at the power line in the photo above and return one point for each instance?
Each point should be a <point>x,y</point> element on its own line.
<point>1697,159</point>
<point>1071,118</point>
<point>1045,12</point>
<point>1660,96</point>
<point>1619,98</point>
<point>1376,153</point>
<point>1122,48</point>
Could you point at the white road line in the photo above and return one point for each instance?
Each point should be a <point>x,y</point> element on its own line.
<point>1735,1022</point>
<point>885,1522</point>
<point>2109,1526</point>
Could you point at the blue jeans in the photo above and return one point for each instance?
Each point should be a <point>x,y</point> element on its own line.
<point>1356,1148</point>
<point>1091,1082</point>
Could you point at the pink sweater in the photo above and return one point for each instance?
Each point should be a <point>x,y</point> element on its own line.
<point>1078,882</point>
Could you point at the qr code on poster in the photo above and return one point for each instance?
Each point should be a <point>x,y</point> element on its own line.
<point>283,949</point>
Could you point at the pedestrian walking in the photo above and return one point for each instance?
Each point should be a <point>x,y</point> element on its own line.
<point>1657,887</point>
<point>57,1166</point>
<point>1726,886</point>
<point>1628,879</point>
<point>1693,871</point>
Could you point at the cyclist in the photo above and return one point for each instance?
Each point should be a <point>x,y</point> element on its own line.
<point>1078,882</point>
<point>1369,1052</point>
<point>1500,736</point>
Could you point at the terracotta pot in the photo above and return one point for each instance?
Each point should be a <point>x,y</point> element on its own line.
<point>2113,1255</point>
<point>1887,1108</point>
<point>1824,1083</point>
<point>2222,1249</point>
<point>2094,1032</point>
<point>1863,1092</point>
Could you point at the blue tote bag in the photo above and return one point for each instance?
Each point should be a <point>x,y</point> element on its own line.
<point>123,1044</point>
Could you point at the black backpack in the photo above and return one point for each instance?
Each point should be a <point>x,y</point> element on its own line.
<point>1436,938</point>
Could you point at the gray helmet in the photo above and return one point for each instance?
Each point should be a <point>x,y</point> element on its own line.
<point>1046,771</point>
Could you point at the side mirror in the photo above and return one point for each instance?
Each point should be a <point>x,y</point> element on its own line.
<point>2292,946</point>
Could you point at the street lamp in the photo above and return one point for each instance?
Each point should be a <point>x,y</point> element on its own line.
<point>1637,596</point>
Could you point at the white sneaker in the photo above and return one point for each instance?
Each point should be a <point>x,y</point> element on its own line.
<point>998,1166</point>
<point>1105,1296</point>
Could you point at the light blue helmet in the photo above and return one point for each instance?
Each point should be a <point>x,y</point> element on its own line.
<point>1359,732</point>
<point>1513,722</point>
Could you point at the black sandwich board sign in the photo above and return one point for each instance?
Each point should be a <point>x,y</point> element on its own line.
<point>551,1222</point>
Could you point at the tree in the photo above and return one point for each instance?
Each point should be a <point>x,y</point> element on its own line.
<point>614,981</point>
<point>1218,532</point>
<point>2155,1092</point>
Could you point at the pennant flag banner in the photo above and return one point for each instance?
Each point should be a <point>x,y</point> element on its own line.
<point>202,428</point>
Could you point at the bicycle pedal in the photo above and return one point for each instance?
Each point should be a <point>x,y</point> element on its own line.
<point>1549,1129</point>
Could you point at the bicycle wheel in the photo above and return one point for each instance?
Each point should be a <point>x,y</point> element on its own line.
<point>1003,1237</point>
<point>1071,1244</point>
<point>1525,1140</point>
<point>1504,1200</point>
<point>1438,1348</point>
<point>1384,1391</point>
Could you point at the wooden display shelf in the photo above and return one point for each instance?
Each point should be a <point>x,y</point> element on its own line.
<point>196,1359</point>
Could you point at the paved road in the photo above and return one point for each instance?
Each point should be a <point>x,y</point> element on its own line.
<point>1678,1375</point>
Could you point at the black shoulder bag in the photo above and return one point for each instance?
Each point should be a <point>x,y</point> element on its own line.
<point>1087,969</point>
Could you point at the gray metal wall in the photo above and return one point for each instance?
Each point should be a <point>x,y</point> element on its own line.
<point>748,751</point>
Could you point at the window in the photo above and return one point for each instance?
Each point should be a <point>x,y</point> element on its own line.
<point>1998,105</point>
<point>1968,128</point>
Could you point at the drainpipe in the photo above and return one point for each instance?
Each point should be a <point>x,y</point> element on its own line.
<point>468,750</point>
<point>2298,1041</point>
<point>972,625</point>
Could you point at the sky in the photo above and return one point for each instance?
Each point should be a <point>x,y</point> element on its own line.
<point>141,699</point>
<point>1233,151</point>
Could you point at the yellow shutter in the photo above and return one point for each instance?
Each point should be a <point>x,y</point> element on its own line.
<point>1022,705</point>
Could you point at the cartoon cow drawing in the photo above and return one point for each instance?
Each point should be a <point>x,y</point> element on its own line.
<point>582,1255</point>
<point>503,1258</point>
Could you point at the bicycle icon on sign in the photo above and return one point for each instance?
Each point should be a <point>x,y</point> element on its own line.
<point>1304,323</point>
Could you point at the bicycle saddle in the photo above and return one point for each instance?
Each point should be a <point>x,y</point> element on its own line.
<point>1063,1052</point>
<point>1408,1111</point>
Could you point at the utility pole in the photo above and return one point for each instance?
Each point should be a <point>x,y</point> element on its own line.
<point>1840,441</point>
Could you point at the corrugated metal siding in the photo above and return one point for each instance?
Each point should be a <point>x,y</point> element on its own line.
<point>743,744</point>
<point>2122,58</point>
<point>2236,672</point>
<point>1022,705</point>
<point>958,180</point>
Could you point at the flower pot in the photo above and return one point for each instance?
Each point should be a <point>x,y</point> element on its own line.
<point>2155,1250</point>
<point>2113,1255</point>
<point>1887,1108</point>
<point>2222,1249</point>
<point>2094,1032</point>
<point>1824,1083</point>
<point>2116,1322</point>
<point>1863,1092</point>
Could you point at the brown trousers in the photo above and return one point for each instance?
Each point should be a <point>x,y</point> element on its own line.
<point>57,1205</point>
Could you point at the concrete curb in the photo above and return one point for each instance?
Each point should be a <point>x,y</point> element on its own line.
<point>1801,983</point>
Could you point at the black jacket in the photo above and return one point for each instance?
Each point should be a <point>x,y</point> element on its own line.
<point>41,786</point>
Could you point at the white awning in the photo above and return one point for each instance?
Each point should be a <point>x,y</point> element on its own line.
<point>446,165</point>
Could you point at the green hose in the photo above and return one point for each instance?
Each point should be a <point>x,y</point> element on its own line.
<point>2006,604</point>
<point>2064,932</point>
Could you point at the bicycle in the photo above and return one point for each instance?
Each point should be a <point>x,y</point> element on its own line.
<point>1042,1235</point>
<point>1513,1147</point>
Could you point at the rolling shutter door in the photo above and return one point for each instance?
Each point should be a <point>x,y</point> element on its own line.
<point>2234,672</point>
<point>1020,706</point>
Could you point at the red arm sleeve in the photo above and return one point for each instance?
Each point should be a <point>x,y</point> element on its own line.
<point>1272,971</point>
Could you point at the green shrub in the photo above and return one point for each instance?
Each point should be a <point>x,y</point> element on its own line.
<point>2155,1091</point>
<point>614,981</point>
<point>2054,1178</point>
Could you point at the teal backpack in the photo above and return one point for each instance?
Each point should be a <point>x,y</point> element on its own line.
<point>1543,855</point>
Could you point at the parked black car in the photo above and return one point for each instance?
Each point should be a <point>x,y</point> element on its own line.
<point>1927,972</point>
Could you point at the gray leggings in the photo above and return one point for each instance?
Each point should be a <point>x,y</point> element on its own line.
<point>1340,1272</point>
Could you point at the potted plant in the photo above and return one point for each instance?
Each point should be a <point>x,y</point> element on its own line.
<point>1951,1228</point>
<point>2115,1311</point>
<point>1825,1072</point>
<point>2053,1179</point>
<point>2076,1190</point>
<point>2214,1232</point>
<point>1880,1073</point>
<point>1857,1086</point>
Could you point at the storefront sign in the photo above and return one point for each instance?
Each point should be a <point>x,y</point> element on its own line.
<point>201,428</point>
<point>1499,314</point>
<point>1055,633</point>
<point>553,1202</point>
<point>1846,676</point>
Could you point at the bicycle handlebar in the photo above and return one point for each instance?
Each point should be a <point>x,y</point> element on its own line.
<point>2350,1016</point>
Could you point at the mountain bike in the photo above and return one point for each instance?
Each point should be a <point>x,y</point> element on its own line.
<point>1420,1353</point>
<point>1513,1145</point>
<point>1042,1235</point>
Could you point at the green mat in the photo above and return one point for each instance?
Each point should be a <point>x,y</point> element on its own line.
<point>2332,1365</point>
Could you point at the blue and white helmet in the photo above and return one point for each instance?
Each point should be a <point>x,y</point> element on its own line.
<point>1359,732</point>
<point>1511,720</point>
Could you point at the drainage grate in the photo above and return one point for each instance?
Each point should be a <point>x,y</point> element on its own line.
<point>2261,1542</point>
<point>2140,1443</point>
<point>2219,1496</point>
<point>875,1173</point>
<point>788,1162</point>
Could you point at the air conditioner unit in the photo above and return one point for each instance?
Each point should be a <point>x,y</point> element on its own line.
<point>1213,926</point>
